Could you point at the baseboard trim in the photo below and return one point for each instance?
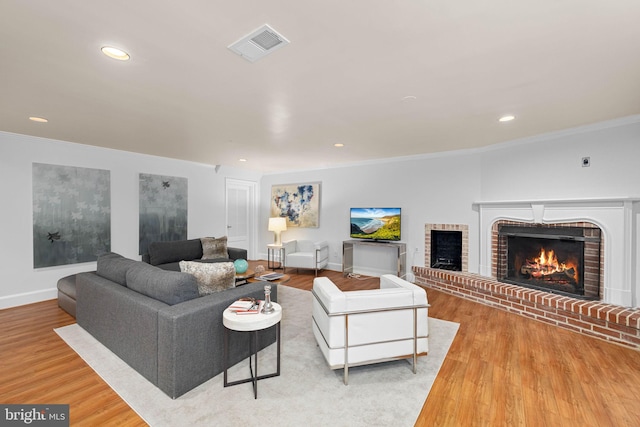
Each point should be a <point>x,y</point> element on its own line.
<point>17,300</point>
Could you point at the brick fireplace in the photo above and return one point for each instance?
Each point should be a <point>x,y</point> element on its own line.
<point>570,257</point>
<point>608,313</point>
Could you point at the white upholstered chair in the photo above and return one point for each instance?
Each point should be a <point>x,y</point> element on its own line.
<point>362,327</point>
<point>306,254</point>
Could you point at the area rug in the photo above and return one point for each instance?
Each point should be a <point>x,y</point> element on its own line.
<point>306,393</point>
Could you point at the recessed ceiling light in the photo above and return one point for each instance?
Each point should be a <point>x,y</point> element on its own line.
<point>338,145</point>
<point>242,160</point>
<point>115,53</point>
<point>38,119</point>
<point>409,98</point>
<point>506,118</point>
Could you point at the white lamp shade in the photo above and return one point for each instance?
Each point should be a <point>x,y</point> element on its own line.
<point>277,224</point>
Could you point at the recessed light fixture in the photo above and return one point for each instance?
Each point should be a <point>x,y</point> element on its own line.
<point>38,119</point>
<point>338,144</point>
<point>115,53</point>
<point>409,98</point>
<point>242,160</point>
<point>506,118</point>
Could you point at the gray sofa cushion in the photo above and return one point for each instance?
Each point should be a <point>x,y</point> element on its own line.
<point>167,286</point>
<point>166,252</point>
<point>114,267</point>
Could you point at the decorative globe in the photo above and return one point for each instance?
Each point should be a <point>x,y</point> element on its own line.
<point>241,265</point>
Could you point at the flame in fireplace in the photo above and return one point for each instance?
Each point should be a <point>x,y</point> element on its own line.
<point>546,264</point>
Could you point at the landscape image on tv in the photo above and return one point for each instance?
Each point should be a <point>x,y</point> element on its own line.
<point>375,223</point>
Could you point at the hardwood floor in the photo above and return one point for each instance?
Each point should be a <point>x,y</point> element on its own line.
<point>501,370</point>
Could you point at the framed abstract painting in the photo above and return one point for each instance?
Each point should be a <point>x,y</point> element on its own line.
<point>71,214</point>
<point>298,203</point>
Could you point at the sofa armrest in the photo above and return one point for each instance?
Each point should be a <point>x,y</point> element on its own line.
<point>331,298</point>
<point>237,253</point>
<point>321,244</point>
<point>191,339</point>
<point>390,281</point>
<point>322,252</point>
<point>290,246</point>
<point>121,319</point>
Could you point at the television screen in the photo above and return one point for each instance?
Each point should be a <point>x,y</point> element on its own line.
<point>375,223</point>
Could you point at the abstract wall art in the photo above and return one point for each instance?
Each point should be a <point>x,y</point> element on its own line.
<point>163,209</point>
<point>298,203</point>
<point>71,214</point>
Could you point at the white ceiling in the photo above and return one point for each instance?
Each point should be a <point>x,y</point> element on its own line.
<point>554,64</point>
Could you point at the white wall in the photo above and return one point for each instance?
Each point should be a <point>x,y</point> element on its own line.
<point>436,189</point>
<point>21,283</point>
<point>550,167</point>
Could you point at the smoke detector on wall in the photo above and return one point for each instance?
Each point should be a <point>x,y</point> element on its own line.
<point>259,43</point>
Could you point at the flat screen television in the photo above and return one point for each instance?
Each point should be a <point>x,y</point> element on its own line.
<point>375,223</point>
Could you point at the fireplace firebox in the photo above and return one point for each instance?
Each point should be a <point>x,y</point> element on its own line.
<point>563,260</point>
<point>446,250</point>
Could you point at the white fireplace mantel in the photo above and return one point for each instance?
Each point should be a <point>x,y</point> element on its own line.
<point>615,216</point>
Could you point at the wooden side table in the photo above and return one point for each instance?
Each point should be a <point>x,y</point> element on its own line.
<point>243,278</point>
<point>251,323</point>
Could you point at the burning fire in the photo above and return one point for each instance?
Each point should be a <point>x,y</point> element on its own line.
<point>546,266</point>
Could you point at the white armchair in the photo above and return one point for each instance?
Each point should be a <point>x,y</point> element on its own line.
<point>306,254</point>
<point>361,327</point>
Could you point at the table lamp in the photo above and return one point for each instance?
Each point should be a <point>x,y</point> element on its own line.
<point>277,225</point>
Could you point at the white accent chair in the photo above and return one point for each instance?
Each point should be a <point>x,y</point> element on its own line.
<point>370,326</point>
<point>306,254</point>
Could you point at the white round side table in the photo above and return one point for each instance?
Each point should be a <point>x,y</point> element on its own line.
<point>251,323</point>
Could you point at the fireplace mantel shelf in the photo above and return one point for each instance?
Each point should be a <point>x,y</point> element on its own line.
<point>631,199</point>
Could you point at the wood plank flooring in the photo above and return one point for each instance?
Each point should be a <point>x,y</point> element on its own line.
<point>502,369</point>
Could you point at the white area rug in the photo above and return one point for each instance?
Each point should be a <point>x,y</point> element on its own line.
<point>307,393</point>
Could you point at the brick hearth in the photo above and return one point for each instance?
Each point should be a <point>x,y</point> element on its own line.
<point>594,318</point>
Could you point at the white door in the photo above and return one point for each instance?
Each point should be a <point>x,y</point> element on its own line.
<point>241,227</point>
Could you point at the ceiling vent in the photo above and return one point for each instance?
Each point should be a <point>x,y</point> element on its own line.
<point>259,43</point>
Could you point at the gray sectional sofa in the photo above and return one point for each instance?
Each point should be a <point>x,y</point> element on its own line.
<point>156,322</point>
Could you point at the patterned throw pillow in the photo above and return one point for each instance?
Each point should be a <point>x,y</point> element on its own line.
<point>211,277</point>
<point>214,248</point>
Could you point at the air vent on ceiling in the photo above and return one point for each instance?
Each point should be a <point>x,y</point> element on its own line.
<point>259,43</point>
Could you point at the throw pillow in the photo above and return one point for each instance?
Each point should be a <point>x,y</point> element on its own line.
<point>211,277</point>
<point>214,248</point>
